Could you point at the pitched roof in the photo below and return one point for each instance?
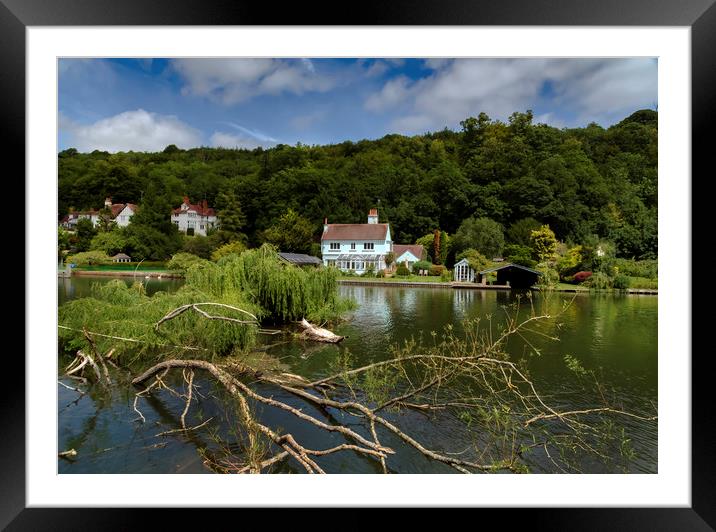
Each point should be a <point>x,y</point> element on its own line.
<point>416,249</point>
<point>299,258</point>
<point>511,265</point>
<point>355,232</point>
<point>201,209</point>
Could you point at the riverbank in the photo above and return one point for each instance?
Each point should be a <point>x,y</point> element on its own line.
<point>160,274</point>
<point>474,286</point>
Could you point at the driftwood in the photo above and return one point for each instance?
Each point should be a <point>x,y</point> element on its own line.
<point>318,334</point>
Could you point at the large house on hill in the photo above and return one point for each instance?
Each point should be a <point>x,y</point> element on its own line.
<point>120,213</point>
<point>194,219</point>
<point>356,247</point>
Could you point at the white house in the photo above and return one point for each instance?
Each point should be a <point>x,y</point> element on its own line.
<point>194,219</point>
<point>356,247</point>
<point>121,212</point>
<point>408,254</point>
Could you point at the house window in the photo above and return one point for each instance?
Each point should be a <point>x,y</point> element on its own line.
<point>368,245</point>
<point>335,245</point>
<point>201,226</point>
<point>176,222</point>
<point>353,245</point>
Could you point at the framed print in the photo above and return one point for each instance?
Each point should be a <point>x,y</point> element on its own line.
<point>282,248</point>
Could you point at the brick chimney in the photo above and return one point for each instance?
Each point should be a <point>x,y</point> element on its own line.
<point>373,216</point>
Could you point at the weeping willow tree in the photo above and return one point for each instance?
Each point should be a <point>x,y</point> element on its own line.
<point>219,309</point>
<point>283,291</point>
<point>124,319</point>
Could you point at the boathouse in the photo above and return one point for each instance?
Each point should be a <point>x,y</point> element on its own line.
<point>512,275</point>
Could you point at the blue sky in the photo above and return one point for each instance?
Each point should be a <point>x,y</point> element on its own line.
<point>146,104</point>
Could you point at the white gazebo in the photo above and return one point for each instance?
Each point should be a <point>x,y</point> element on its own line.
<point>463,273</point>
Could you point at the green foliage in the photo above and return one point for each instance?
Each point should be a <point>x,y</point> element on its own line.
<point>575,366</point>
<point>402,270</point>
<point>571,262</point>
<point>230,214</point>
<point>520,232</point>
<point>200,245</point>
<point>421,265</point>
<point>283,291</point>
<point>89,258</point>
<point>475,259</point>
<point>483,234</point>
<point>643,282</point>
<point>63,242</point>
<point>389,258</point>
<point>549,277</point>
<point>111,242</point>
<point>183,261</point>
<point>437,270</point>
<point>621,282</point>
<point>599,281</point>
<point>544,243</point>
<point>292,233</point>
<point>446,275</point>
<point>117,310</point>
<point>633,268</point>
<point>84,233</point>
<point>518,254</point>
<point>235,247</point>
<point>580,181</point>
<point>380,274</point>
<point>446,243</point>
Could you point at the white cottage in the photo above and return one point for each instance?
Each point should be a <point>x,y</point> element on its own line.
<point>121,212</point>
<point>408,254</point>
<point>356,247</point>
<point>194,219</point>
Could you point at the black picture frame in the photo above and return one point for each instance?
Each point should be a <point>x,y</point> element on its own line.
<point>699,15</point>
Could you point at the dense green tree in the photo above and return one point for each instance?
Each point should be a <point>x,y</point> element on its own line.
<point>482,234</point>
<point>84,233</point>
<point>581,181</point>
<point>292,232</point>
<point>520,232</point>
<point>231,216</point>
<point>544,243</point>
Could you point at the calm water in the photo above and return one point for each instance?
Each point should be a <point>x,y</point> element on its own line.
<point>612,334</point>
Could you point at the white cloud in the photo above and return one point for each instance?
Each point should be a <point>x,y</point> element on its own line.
<point>231,81</point>
<point>394,92</point>
<point>583,89</point>
<point>131,131</point>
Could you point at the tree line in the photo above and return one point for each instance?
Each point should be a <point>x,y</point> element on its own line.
<point>587,184</point>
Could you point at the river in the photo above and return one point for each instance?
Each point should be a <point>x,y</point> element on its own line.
<point>614,335</point>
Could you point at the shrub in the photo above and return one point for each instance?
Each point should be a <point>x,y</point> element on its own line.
<point>402,271</point>
<point>235,247</point>
<point>637,268</point>
<point>437,270</point>
<point>621,282</point>
<point>421,265</point>
<point>643,282</point>
<point>446,275</point>
<point>380,274</point>
<point>580,277</point>
<point>518,254</point>
<point>599,281</point>
<point>182,261</point>
<point>549,276</point>
<point>89,258</point>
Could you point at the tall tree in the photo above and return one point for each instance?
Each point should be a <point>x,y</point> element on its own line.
<point>292,232</point>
